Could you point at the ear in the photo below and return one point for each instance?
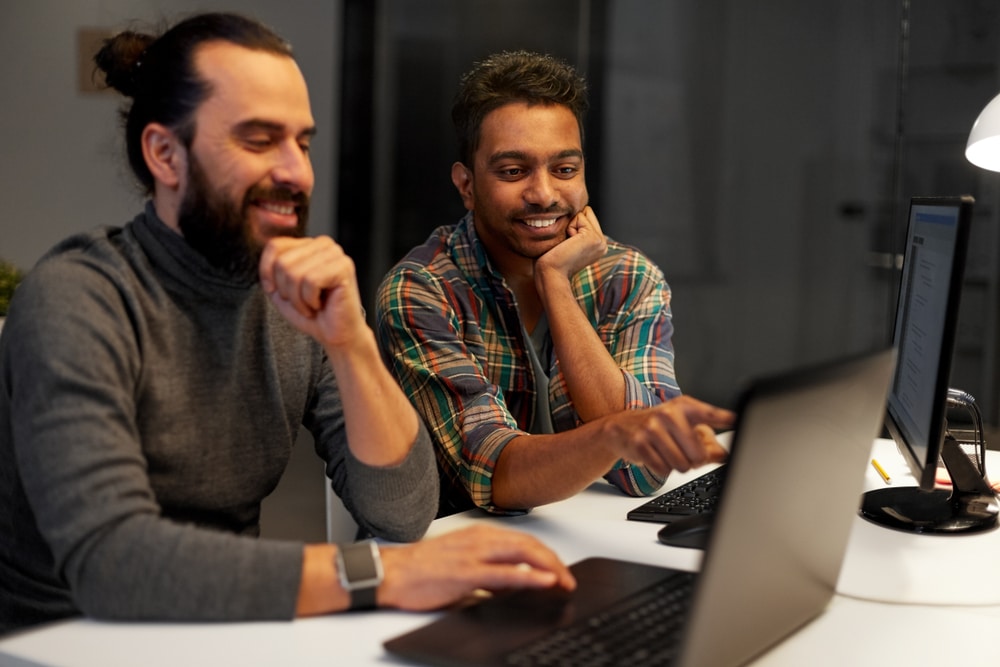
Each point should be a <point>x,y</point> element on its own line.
<point>461,176</point>
<point>165,155</point>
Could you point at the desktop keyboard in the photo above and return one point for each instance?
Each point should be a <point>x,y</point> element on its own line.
<point>643,630</point>
<point>698,496</point>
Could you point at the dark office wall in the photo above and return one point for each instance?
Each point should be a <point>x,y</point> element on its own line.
<point>741,157</point>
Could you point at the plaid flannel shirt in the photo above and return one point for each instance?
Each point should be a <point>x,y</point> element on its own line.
<point>449,330</point>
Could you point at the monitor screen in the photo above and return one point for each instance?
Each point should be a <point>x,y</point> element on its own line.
<point>924,331</point>
<point>926,321</point>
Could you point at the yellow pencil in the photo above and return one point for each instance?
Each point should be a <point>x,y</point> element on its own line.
<point>881,471</point>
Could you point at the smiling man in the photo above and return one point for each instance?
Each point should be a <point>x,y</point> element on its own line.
<point>155,377</point>
<point>536,349</point>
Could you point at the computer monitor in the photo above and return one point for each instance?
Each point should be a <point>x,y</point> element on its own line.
<point>924,337</point>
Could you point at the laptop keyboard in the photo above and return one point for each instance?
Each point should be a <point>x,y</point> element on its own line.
<point>698,496</point>
<point>643,629</point>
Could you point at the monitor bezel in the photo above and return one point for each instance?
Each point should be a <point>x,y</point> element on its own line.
<point>925,470</point>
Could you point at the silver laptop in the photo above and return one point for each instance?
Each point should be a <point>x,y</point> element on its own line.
<point>793,484</point>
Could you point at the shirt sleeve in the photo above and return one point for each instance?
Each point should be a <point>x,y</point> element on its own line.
<point>421,339</point>
<point>631,303</point>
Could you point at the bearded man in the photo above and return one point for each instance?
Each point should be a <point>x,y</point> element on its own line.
<point>155,376</point>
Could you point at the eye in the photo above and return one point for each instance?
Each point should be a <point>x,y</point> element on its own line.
<point>258,142</point>
<point>566,171</point>
<point>511,173</point>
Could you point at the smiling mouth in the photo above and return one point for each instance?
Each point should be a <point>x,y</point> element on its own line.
<point>540,223</point>
<point>281,208</point>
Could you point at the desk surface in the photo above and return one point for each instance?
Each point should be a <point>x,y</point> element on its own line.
<point>881,564</point>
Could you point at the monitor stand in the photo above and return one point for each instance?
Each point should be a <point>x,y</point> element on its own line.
<point>969,506</point>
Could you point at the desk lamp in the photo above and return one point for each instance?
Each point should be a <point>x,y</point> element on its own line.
<point>983,147</point>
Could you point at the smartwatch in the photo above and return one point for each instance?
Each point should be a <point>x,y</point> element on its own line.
<point>359,567</point>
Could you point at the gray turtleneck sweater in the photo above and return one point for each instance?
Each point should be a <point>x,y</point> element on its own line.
<point>147,405</point>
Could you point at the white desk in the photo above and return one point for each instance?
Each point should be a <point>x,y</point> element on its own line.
<point>852,631</point>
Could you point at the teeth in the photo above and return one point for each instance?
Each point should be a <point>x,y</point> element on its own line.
<point>541,223</point>
<point>283,209</point>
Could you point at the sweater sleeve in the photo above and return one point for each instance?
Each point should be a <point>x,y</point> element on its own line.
<point>71,365</point>
<point>397,502</point>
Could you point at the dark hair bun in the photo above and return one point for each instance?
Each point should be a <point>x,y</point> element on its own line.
<point>120,58</point>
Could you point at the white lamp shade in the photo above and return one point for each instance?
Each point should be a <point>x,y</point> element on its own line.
<point>983,148</point>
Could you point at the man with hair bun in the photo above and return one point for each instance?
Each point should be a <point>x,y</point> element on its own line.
<point>155,376</point>
<point>537,350</point>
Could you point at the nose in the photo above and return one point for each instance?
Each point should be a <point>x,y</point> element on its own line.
<point>540,189</point>
<point>293,168</point>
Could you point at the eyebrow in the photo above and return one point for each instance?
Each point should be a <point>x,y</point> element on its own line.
<point>522,156</point>
<point>271,127</point>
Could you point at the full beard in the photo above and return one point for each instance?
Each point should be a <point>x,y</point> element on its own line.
<point>218,228</point>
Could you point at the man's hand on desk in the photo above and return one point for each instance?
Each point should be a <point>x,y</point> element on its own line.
<point>441,571</point>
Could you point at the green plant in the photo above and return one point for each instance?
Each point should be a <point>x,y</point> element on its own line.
<point>10,276</point>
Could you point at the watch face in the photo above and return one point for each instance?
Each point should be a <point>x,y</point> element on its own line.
<point>360,569</point>
<point>360,565</point>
